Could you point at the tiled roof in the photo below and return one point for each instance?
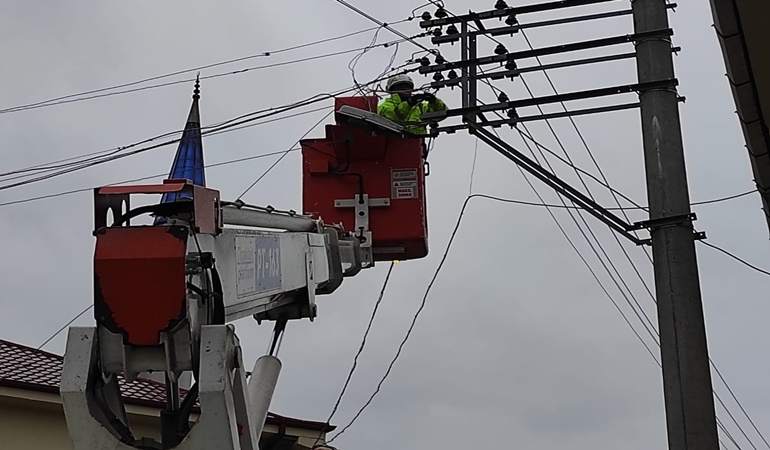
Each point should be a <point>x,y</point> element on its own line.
<point>25,365</point>
<point>28,368</point>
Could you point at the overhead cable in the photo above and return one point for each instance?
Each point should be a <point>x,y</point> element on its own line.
<point>64,327</point>
<point>208,129</point>
<point>158,175</point>
<point>740,260</point>
<point>207,77</point>
<point>387,26</point>
<point>52,101</point>
<point>360,349</point>
<point>283,155</point>
<point>590,230</point>
<point>134,180</point>
<point>419,311</point>
<point>628,294</point>
<point>230,124</point>
<point>78,160</point>
<point>411,326</point>
<point>615,197</point>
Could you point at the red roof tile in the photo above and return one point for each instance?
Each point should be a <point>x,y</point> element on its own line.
<point>28,368</point>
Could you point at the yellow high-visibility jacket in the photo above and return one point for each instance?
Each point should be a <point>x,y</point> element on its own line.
<point>400,111</point>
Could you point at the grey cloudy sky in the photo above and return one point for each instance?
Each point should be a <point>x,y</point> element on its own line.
<point>517,345</point>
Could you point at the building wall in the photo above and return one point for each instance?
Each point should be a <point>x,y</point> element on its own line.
<point>35,421</point>
<point>30,425</point>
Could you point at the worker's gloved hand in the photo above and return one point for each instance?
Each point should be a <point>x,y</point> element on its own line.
<point>421,97</point>
<point>414,99</point>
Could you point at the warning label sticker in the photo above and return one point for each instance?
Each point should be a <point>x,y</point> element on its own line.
<point>404,175</point>
<point>404,184</point>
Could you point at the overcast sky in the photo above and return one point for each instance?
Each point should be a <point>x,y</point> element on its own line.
<point>518,345</point>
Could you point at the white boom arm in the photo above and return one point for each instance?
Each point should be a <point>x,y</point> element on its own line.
<point>163,297</point>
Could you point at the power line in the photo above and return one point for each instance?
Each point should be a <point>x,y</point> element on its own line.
<point>586,224</point>
<point>387,26</point>
<point>613,192</point>
<point>211,128</point>
<point>575,167</point>
<point>593,159</point>
<point>722,199</point>
<point>430,285</point>
<point>473,166</point>
<point>740,260</point>
<point>424,300</point>
<point>625,318</point>
<point>606,183</point>
<point>578,171</point>
<point>371,398</point>
<point>727,433</point>
<point>232,123</point>
<point>51,101</point>
<point>411,325</point>
<point>208,77</point>
<point>360,349</point>
<point>630,298</point>
<point>716,394</point>
<point>223,163</point>
<point>214,132</point>
<point>284,153</point>
<point>652,330</point>
<point>724,429</point>
<point>264,174</point>
<point>249,158</point>
<point>64,327</point>
<point>729,413</point>
<point>50,166</point>
<point>110,158</point>
<point>354,62</point>
<point>653,335</point>
<point>134,180</point>
<point>596,239</point>
<point>719,373</point>
<point>572,121</point>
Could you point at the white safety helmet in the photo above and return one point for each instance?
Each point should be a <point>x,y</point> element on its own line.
<point>398,80</point>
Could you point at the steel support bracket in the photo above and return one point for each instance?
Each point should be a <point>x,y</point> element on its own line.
<point>362,203</point>
<point>680,219</point>
<point>652,224</point>
<point>697,235</point>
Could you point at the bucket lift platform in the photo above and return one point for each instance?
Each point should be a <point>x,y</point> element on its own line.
<point>369,176</point>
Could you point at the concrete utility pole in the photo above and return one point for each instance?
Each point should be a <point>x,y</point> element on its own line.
<point>690,416</point>
<point>687,387</point>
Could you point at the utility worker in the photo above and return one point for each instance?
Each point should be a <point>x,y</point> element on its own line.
<point>405,107</point>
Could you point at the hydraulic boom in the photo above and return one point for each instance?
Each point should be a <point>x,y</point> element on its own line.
<point>163,296</point>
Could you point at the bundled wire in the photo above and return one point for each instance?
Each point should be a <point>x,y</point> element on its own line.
<point>56,170</point>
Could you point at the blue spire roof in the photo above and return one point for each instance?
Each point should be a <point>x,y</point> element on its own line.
<point>188,162</point>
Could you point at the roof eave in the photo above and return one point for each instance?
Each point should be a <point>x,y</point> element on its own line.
<point>743,82</point>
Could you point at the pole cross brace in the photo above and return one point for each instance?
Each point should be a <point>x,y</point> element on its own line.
<point>677,220</point>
